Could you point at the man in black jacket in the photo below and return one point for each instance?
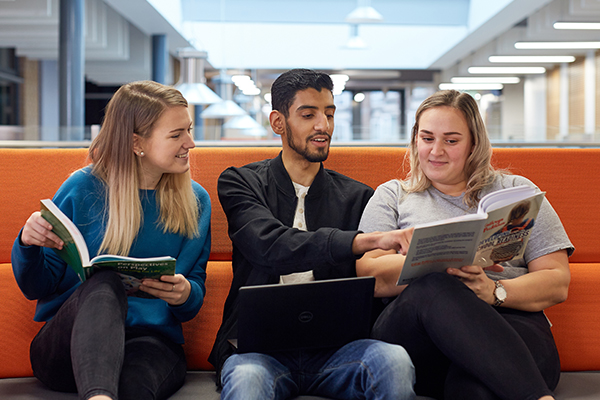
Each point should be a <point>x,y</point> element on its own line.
<point>292,220</point>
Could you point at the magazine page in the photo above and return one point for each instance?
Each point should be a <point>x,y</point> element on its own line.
<point>434,248</point>
<point>507,231</point>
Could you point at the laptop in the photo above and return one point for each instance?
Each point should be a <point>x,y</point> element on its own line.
<point>300,316</point>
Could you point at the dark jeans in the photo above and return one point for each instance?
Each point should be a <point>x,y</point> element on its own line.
<point>463,348</point>
<point>86,348</point>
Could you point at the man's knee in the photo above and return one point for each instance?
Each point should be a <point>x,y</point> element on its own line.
<point>250,376</point>
<point>247,371</point>
<point>390,370</point>
<point>390,357</point>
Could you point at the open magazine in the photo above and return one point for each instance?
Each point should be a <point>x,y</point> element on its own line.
<point>75,253</point>
<point>497,233</point>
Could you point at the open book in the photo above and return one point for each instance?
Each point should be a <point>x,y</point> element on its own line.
<point>498,232</point>
<point>75,253</point>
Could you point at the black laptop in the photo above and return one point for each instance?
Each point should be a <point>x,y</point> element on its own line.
<point>310,315</point>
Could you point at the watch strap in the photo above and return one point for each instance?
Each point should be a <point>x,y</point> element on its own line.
<point>498,301</point>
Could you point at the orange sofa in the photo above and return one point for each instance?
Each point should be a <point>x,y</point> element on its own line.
<point>569,176</point>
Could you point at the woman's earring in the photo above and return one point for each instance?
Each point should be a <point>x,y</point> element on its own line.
<point>141,154</point>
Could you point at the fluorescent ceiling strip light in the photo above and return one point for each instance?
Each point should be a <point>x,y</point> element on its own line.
<point>471,86</point>
<point>577,25</point>
<point>486,79</point>
<point>557,45</point>
<point>506,70</point>
<point>531,59</point>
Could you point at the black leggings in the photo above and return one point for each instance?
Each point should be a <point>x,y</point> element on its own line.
<point>86,348</point>
<point>463,348</point>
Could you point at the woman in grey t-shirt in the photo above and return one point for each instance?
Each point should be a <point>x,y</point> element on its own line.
<point>472,333</point>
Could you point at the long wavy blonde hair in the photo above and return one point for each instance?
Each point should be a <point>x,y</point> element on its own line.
<point>478,167</point>
<point>135,108</point>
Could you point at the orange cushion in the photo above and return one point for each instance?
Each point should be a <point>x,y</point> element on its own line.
<point>572,186</point>
<point>576,322</point>
<point>16,326</point>
<point>200,333</point>
<point>27,176</point>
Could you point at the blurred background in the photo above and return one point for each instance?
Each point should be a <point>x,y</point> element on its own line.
<point>532,65</point>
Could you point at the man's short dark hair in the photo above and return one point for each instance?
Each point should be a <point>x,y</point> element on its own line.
<point>285,87</point>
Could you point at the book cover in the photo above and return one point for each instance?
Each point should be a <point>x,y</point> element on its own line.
<point>75,253</point>
<point>497,233</point>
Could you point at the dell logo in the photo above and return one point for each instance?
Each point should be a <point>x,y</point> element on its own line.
<point>305,316</point>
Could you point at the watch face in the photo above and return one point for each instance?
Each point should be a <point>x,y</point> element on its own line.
<point>500,293</point>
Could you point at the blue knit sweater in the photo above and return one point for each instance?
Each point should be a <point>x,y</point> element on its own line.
<point>44,277</point>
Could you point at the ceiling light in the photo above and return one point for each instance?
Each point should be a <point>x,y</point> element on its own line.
<point>198,93</point>
<point>246,124</point>
<point>339,83</point>
<point>531,59</point>
<point>192,85</point>
<point>359,97</point>
<point>251,91</point>
<point>486,79</point>
<point>226,108</point>
<point>471,86</point>
<point>506,70</point>
<point>238,79</point>
<point>577,25</point>
<point>364,15</point>
<point>557,45</point>
<point>355,41</point>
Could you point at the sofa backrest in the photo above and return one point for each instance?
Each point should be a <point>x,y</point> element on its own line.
<point>567,175</point>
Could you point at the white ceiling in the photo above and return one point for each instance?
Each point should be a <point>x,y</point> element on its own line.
<point>415,38</point>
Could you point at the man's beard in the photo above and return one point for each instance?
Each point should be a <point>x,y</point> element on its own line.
<point>319,155</point>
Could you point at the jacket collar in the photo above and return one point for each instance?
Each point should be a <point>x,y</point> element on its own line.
<point>284,182</point>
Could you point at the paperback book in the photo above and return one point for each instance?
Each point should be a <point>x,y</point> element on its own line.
<point>75,253</point>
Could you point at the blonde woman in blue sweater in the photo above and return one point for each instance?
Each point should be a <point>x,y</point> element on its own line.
<point>137,199</point>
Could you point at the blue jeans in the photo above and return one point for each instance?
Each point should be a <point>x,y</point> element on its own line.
<point>86,348</point>
<point>364,369</point>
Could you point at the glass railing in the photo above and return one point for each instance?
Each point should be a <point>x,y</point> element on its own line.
<point>29,137</point>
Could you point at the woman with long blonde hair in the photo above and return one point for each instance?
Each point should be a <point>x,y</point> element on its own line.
<point>471,332</point>
<point>135,199</point>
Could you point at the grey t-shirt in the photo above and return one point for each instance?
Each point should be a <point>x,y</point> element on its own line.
<point>392,208</point>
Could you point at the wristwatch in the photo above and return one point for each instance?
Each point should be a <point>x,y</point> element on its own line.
<point>499,293</point>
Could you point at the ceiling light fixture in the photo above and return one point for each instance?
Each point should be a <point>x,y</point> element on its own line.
<point>557,45</point>
<point>246,125</point>
<point>577,25</point>
<point>364,14</point>
<point>192,85</point>
<point>339,83</point>
<point>471,86</point>
<point>246,85</point>
<point>355,42</point>
<point>531,59</point>
<point>506,70</point>
<point>486,79</point>
<point>359,97</point>
<point>226,108</point>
